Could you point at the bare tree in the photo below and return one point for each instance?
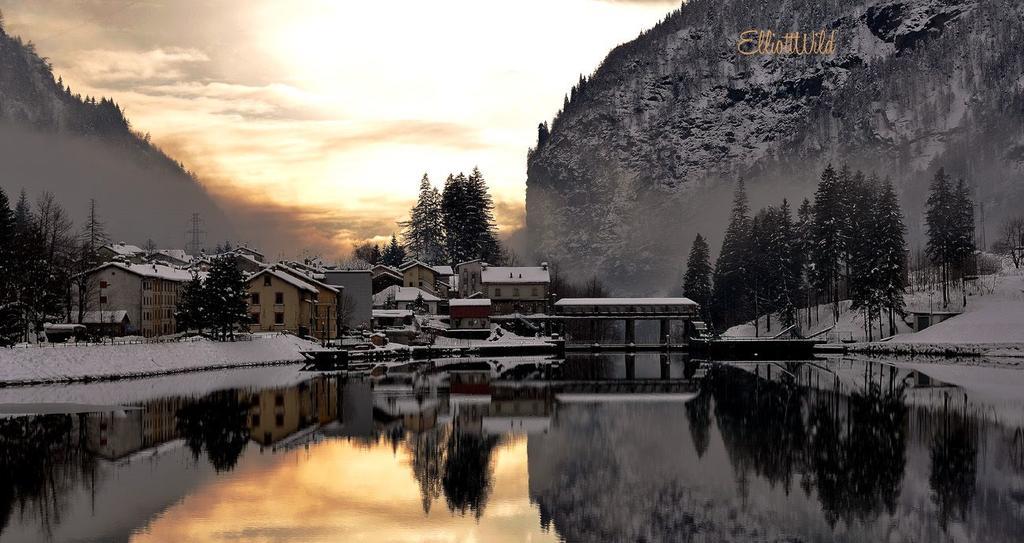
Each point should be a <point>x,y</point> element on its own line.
<point>1012,239</point>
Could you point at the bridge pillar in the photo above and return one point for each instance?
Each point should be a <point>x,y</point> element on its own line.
<point>630,366</point>
<point>666,369</point>
<point>666,330</point>
<point>630,331</point>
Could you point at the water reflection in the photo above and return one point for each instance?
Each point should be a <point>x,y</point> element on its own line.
<point>818,451</point>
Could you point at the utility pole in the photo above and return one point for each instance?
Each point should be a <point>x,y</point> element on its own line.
<point>195,233</point>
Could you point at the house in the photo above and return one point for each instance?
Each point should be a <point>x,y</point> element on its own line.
<point>148,293</point>
<point>123,252</point>
<point>385,276</point>
<point>511,289</point>
<point>357,303</point>
<point>923,319</point>
<point>245,262</point>
<point>395,297</point>
<point>282,302</point>
<point>469,281</point>
<point>392,318</point>
<point>106,323</point>
<point>419,275</point>
<point>470,314</point>
<point>321,321</point>
<point>251,253</point>
<point>171,257</point>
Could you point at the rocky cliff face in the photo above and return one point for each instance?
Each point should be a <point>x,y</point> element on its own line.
<point>646,150</point>
<point>80,148</point>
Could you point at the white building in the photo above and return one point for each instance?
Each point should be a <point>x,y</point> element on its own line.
<point>396,297</point>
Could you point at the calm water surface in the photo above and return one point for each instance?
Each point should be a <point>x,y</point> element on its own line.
<point>601,448</point>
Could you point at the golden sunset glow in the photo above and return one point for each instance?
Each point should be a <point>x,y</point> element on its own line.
<point>332,111</point>
<point>342,491</point>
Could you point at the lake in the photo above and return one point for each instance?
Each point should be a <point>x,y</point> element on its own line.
<point>607,447</point>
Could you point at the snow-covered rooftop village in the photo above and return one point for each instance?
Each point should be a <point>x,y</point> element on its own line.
<point>669,283</point>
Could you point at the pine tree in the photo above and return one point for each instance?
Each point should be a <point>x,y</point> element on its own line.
<point>829,245</point>
<point>424,231</point>
<point>225,294</point>
<point>891,246</point>
<point>697,280</point>
<point>731,296</point>
<point>9,312</point>
<point>468,217</point>
<point>394,255</point>
<point>191,314</point>
<point>939,210</point>
<point>861,249</point>
<point>803,240</point>
<point>963,230</point>
<point>376,256</point>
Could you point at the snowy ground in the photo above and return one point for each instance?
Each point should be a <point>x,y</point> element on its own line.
<point>992,322</point>
<point>56,364</point>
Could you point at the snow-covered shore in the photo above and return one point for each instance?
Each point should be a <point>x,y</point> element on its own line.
<point>61,364</point>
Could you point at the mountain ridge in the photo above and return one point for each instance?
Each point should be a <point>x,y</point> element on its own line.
<point>143,192</point>
<point>645,150</point>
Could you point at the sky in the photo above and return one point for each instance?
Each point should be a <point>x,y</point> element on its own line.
<point>335,109</point>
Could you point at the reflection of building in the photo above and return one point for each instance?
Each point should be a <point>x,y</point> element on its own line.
<point>275,414</point>
<point>114,434</point>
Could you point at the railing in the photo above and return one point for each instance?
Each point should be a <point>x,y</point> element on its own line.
<point>144,341</point>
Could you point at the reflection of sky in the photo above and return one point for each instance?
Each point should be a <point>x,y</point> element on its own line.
<point>339,490</point>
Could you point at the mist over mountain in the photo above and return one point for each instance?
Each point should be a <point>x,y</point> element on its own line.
<point>82,147</point>
<point>646,151</point>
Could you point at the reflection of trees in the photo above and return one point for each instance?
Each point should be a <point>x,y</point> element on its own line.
<point>427,456</point>
<point>216,423</point>
<point>698,413</point>
<point>467,472</point>
<point>1017,450</point>
<point>857,461</point>
<point>40,458</point>
<point>761,423</point>
<point>954,464</point>
<point>851,449</point>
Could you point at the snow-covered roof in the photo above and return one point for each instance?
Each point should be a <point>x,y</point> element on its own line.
<point>519,274</point>
<point>153,270</point>
<point>413,263</point>
<point>403,294</point>
<point>444,270</point>
<point>287,278</point>
<point>624,301</point>
<point>469,302</point>
<point>392,313</point>
<point>305,277</point>
<point>177,254</point>
<point>104,317</point>
<point>124,249</point>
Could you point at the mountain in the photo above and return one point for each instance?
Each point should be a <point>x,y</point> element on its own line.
<point>81,148</point>
<point>646,150</point>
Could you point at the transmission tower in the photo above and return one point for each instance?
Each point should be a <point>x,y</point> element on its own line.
<point>195,234</point>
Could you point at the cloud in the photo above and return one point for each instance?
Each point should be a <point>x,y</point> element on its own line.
<point>98,67</point>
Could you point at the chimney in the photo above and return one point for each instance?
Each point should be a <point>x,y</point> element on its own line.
<point>544,266</point>
<point>520,276</point>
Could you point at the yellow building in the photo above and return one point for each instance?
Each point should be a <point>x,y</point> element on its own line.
<point>282,299</point>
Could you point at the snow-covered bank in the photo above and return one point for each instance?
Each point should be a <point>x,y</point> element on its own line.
<point>37,365</point>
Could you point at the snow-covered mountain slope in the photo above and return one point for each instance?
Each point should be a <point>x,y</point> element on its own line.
<point>646,150</point>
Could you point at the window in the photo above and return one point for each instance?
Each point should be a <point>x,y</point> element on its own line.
<point>147,285</point>
<point>533,292</point>
<point>497,292</point>
<point>515,292</point>
<point>103,299</point>
<point>279,419</point>
<point>255,298</point>
<point>279,399</point>
<point>255,420</point>
<point>266,280</point>
<point>103,284</point>
<point>255,317</point>
<point>278,298</point>
<point>279,318</point>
